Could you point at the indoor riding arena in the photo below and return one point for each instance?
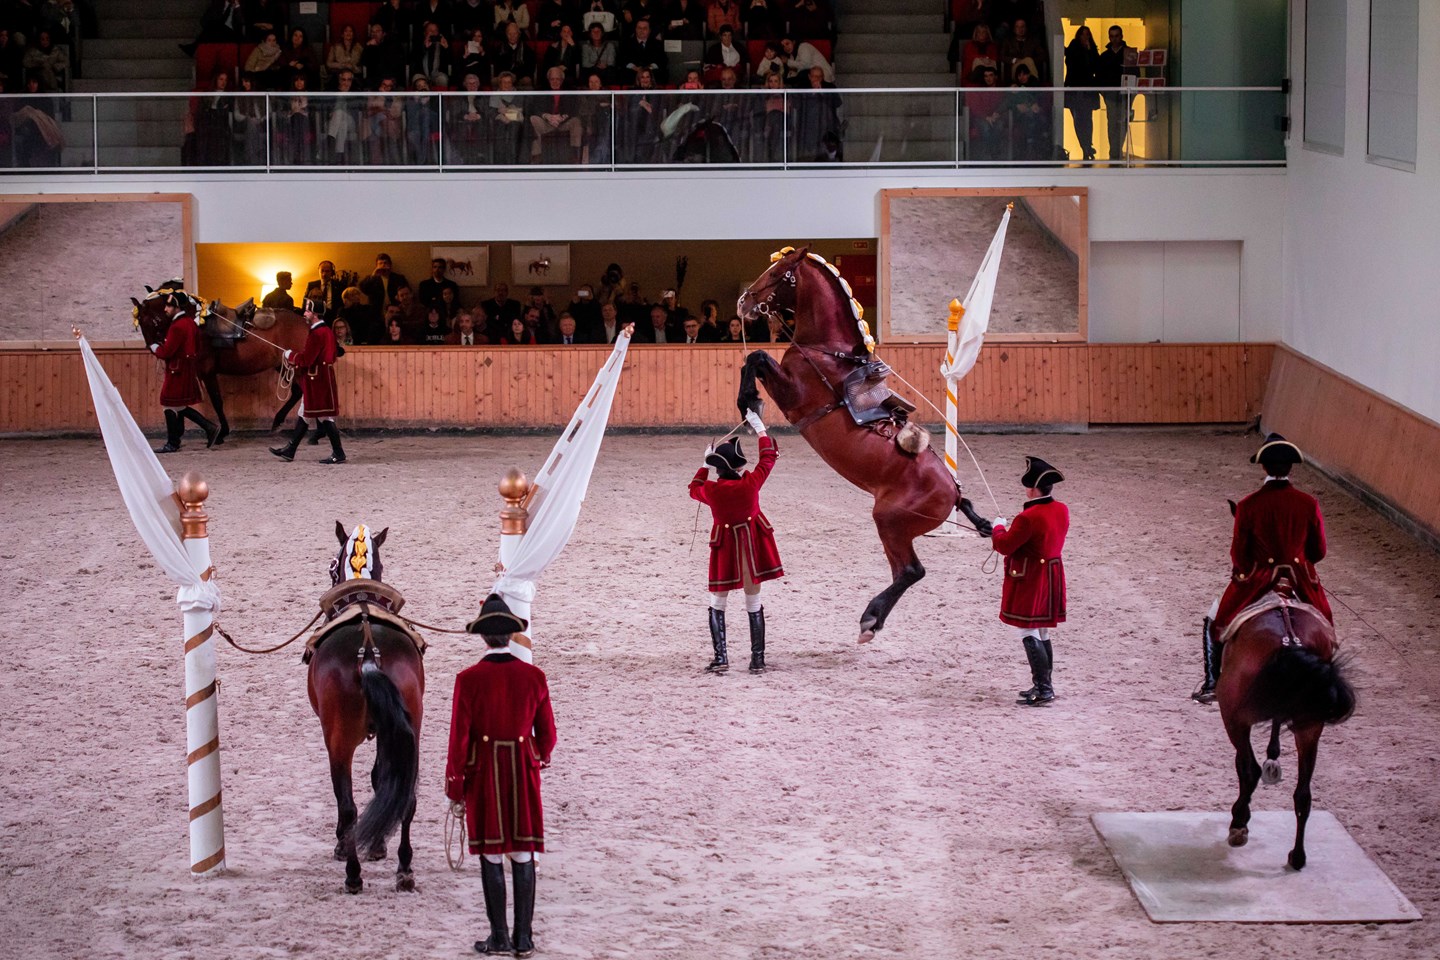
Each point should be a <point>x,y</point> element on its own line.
<point>1084,456</point>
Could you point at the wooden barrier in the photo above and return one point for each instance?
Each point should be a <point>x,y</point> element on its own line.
<point>43,390</point>
<point>1388,452</point>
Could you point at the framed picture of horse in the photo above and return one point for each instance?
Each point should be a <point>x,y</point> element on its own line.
<point>467,266</point>
<point>933,239</point>
<point>546,265</point>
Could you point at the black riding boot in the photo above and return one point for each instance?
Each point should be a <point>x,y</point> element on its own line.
<point>337,452</point>
<point>1034,691</point>
<point>721,663</point>
<point>174,429</point>
<point>492,881</point>
<point>211,431</point>
<point>1039,673</point>
<point>524,874</point>
<point>757,641</point>
<point>1211,651</point>
<point>287,452</point>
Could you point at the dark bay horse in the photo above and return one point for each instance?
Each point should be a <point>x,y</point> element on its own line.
<point>1279,668</point>
<point>367,679</point>
<point>247,356</point>
<point>913,494</point>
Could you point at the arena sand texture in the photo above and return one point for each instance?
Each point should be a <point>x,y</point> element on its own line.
<point>853,802</point>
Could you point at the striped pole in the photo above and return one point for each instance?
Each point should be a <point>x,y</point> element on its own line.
<point>952,427</point>
<point>515,490</point>
<point>202,714</point>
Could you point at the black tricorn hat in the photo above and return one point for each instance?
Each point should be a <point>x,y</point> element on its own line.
<point>1037,471</point>
<point>496,619</point>
<point>727,456</point>
<point>1276,449</point>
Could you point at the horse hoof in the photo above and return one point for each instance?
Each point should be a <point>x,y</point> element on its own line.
<point>1270,772</point>
<point>376,852</point>
<point>1239,836</point>
<point>866,636</point>
<point>1296,859</point>
<point>355,887</point>
<point>405,882</point>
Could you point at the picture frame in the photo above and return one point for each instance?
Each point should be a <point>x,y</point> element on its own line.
<point>468,266</point>
<point>540,264</point>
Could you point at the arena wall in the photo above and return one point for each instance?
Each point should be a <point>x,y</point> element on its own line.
<point>1032,386</point>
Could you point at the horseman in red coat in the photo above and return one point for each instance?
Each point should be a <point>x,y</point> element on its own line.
<point>181,388</point>
<point>1279,533</point>
<point>501,735</point>
<point>742,541</point>
<point>1033,598</point>
<point>315,366</point>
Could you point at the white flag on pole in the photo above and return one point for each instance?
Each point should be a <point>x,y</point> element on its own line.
<point>148,492</point>
<point>562,483</point>
<point>964,344</point>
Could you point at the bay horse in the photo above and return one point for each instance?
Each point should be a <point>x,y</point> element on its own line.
<point>914,493</point>
<point>248,356</point>
<point>367,679</point>
<point>1279,667</point>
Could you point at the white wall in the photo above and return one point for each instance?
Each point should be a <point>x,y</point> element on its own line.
<point>1362,241</point>
<point>1239,206</point>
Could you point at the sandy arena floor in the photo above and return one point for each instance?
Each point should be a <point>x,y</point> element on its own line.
<point>853,802</point>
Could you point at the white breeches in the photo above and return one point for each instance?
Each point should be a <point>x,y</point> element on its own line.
<point>1042,632</point>
<point>521,856</point>
<point>719,600</point>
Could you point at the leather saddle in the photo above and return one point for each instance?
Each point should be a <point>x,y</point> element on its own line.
<point>222,333</point>
<point>344,604</point>
<point>869,399</point>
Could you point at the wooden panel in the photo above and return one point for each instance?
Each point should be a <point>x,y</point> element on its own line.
<point>1031,384</point>
<point>1359,435</point>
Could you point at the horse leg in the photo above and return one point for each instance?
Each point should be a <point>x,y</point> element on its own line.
<point>340,758</point>
<point>212,389</point>
<point>905,568</point>
<point>1270,769</point>
<point>404,876</point>
<point>1307,745</point>
<point>1247,769</point>
<point>377,849</point>
<point>760,366</point>
<point>284,411</point>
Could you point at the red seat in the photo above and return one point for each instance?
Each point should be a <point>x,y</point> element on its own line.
<point>540,47</point>
<point>213,58</point>
<point>756,49</point>
<point>351,13</point>
<point>826,49</point>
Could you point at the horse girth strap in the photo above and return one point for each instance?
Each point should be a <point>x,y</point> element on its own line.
<point>1274,601</point>
<point>815,416</point>
<point>368,613</point>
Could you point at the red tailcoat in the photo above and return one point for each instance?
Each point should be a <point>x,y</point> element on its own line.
<point>1034,591</point>
<point>738,529</point>
<point>180,351</point>
<point>501,732</point>
<point>315,366</point>
<point>1278,530</point>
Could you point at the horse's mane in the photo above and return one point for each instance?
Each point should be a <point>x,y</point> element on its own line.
<point>839,283</point>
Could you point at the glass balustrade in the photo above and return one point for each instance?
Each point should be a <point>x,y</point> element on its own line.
<point>760,128</point>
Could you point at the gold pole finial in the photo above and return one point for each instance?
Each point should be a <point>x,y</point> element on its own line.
<point>514,490</point>
<point>192,490</point>
<point>957,310</point>
<point>1010,205</point>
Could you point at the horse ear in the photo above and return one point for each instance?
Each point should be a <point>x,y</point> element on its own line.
<point>136,302</point>
<point>1232,506</point>
<point>149,289</point>
<point>340,533</point>
<point>379,538</point>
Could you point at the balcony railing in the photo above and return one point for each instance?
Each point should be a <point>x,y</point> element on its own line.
<point>613,130</point>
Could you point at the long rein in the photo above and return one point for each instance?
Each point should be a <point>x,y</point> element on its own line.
<point>318,614</point>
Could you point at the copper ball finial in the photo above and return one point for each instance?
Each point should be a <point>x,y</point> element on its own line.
<point>515,485</point>
<point>193,488</point>
<point>514,489</point>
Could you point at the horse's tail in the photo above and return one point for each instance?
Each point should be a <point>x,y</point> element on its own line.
<point>397,757</point>
<point>1296,686</point>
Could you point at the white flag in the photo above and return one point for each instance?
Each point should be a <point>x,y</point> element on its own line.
<point>964,345</point>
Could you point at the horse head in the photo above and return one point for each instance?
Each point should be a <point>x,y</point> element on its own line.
<point>149,316</point>
<point>359,554</point>
<point>809,296</point>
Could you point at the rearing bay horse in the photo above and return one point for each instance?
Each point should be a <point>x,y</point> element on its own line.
<point>246,357</point>
<point>913,494</point>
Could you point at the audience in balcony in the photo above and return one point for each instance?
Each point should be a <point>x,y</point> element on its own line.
<point>517,335</point>
<point>300,59</point>
<point>344,54</point>
<point>1023,47</point>
<point>264,64</point>
<point>394,331</point>
<point>464,334</point>
<point>381,286</point>
<point>248,125</point>
<point>47,63</point>
<point>597,55</point>
<point>384,125</point>
<point>762,20</point>
<point>602,12</point>
<point>1030,137</point>
<point>395,17</point>
<point>979,52</point>
<point>986,105</point>
<point>734,331</point>
<point>564,53</point>
<point>724,53</point>
<point>262,17</point>
<point>1081,62</point>
<point>801,57</point>
<point>516,57</point>
<point>432,60</point>
<point>422,123</point>
<point>644,52</point>
<point>213,124</point>
<point>511,12</point>
<point>344,336</point>
<point>342,124</point>
<point>1116,62</point>
<point>507,117</point>
<point>436,12</point>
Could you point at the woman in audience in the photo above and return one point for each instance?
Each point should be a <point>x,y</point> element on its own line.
<point>771,122</point>
<point>518,335</point>
<point>395,333</point>
<point>420,122</point>
<point>979,51</point>
<point>734,332</point>
<point>435,330</point>
<point>213,116</point>
<point>473,58</point>
<point>640,133</point>
<point>344,55</point>
<point>247,125</point>
<point>507,120</point>
<point>341,329</point>
<point>362,318</point>
<point>46,62</point>
<point>383,120</point>
<point>295,128</point>
<point>598,54</point>
<point>300,59</point>
<point>466,122</point>
<point>449,307</point>
<point>565,54</point>
<point>595,113</point>
<point>1081,61</point>
<point>264,63</point>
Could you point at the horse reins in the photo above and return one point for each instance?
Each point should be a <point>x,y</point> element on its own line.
<point>279,646</point>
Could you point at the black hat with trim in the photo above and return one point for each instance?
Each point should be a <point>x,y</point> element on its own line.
<point>1276,449</point>
<point>495,618</point>
<point>727,456</point>
<point>1037,471</point>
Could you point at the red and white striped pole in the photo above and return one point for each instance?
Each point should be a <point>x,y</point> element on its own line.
<point>202,713</point>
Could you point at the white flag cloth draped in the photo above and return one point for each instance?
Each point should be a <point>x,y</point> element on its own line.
<point>148,492</point>
<point>964,345</point>
<point>562,483</point>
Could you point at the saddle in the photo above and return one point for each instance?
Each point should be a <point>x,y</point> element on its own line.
<point>224,333</point>
<point>344,603</point>
<point>869,399</point>
<point>1280,597</point>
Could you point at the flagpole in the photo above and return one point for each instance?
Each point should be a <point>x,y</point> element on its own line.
<point>515,490</point>
<point>202,713</point>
